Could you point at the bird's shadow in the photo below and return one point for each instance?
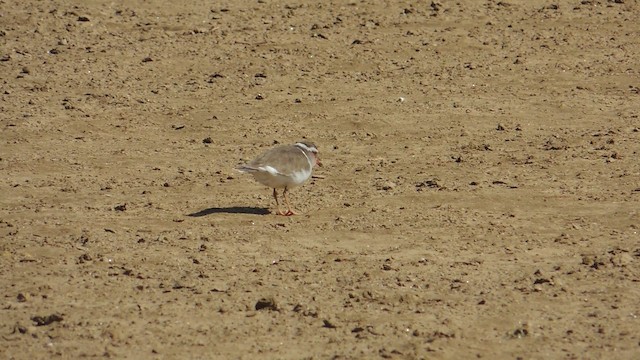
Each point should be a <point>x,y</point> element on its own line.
<point>231,210</point>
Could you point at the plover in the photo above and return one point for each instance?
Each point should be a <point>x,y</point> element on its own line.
<point>284,167</point>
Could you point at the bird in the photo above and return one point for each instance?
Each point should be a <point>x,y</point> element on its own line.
<point>284,167</point>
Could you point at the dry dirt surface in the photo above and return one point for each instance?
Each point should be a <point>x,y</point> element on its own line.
<point>479,197</point>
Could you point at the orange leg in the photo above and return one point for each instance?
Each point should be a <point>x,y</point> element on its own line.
<point>286,201</point>
<point>275,196</point>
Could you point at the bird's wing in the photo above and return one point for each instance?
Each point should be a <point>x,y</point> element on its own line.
<point>282,160</point>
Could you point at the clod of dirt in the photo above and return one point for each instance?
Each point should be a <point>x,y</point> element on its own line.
<point>328,324</point>
<point>500,127</point>
<point>19,328</point>
<point>539,281</point>
<point>622,259</point>
<point>147,59</point>
<point>440,335</point>
<point>500,182</point>
<point>83,19</point>
<point>176,285</point>
<point>555,143</point>
<point>266,304</point>
<point>389,185</point>
<point>207,140</point>
<point>47,320</point>
<point>84,258</point>
<point>121,207</point>
<point>429,184</point>
<point>22,297</point>
<point>305,311</point>
<point>592,261</point>
<point>520,332</point>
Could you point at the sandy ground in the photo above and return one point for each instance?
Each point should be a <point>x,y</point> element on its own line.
<point>480,192</point>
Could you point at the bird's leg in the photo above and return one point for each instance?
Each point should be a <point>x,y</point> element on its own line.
<point>286,201</point>
<point>275,196</point>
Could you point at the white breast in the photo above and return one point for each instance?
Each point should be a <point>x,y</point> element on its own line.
<point>272,178</point>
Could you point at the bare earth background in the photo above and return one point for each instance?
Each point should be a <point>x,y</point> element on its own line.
<point>480,196</point>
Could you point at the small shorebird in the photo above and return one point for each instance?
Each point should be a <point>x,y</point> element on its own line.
<point>284,167</point>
